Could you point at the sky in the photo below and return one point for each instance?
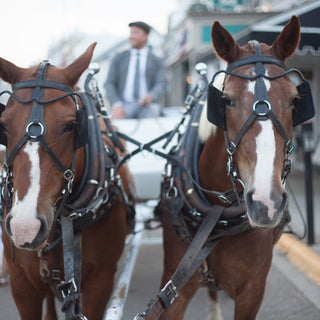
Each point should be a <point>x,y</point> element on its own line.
<point>29,27</point>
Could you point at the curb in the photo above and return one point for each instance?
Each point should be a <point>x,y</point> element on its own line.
<point>301,255</point>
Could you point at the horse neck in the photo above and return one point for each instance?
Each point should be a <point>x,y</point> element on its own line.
<point>213,164</point>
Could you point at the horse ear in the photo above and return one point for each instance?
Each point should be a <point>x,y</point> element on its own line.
<point>223,43</point>
<point>9,72</point>
<point>74,70</point>
<point>288,40</point>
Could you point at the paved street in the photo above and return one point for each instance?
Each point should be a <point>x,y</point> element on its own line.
<point>289,295</point>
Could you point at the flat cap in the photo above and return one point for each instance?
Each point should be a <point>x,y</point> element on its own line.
<point>142,25</point>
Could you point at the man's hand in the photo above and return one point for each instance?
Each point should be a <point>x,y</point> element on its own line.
<point>118,112</point>
<point>146,100</point>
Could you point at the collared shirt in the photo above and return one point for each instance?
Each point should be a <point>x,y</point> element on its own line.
<point>128,89</point>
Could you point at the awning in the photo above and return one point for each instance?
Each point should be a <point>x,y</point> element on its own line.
<point>268,30</point>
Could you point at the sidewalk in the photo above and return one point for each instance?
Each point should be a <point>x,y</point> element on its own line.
<point>303,256</point>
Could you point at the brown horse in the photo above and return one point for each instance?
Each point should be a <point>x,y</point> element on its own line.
<point>255,83</point>
<point>46,147</point>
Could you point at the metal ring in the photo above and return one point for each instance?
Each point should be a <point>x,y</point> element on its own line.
<point>258,102</point>
<point>241,182</point>
<point>171,193</point>
<point>36,123</point>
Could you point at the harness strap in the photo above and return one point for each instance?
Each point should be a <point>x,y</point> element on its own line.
<point>16,148</point>
<point>233,144</point>
<point>43,84</point>
<point>52,155</point>
<point>143,146</point>
<point>255,59</point>
<point>70,288</point>
<point>197,252</point>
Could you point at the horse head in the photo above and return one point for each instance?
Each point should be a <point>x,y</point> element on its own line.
<point>258,99</point>
<point>41,124</point>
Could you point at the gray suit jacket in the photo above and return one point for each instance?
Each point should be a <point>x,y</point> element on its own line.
<point>117,76</point>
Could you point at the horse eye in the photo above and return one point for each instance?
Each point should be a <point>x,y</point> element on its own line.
<point>69,126</point>
<point>294,102</point>
<point>228,102</point>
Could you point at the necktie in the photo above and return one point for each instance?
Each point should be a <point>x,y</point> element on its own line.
<point>136,87</point>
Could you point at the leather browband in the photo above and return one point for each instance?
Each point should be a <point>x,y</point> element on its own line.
<point>42,84</point>
<point>255,59</point>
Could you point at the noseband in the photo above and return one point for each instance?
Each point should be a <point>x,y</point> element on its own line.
<point>261,109</point>
<point>36,129</point>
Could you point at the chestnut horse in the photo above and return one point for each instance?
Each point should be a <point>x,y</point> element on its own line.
<point>46,137</point>
<point>253,117</point>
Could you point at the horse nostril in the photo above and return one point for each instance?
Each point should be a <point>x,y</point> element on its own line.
<point>280,201</point>
<point>249,197</point>
<point>42,233</point>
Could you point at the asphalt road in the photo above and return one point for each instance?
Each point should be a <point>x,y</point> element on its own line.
<point>289,294</point>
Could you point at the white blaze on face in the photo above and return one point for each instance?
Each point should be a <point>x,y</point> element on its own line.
<point>265,150</point>
<point>24,224</point>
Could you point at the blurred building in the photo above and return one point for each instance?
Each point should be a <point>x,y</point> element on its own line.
<point>189,40</point>
<point>189,34</point>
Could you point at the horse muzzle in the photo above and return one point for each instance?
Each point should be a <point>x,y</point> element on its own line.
<point>29,236</point>
<point>265,212</point>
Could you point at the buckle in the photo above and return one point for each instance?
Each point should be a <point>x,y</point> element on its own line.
<point>223,198</point>
<point>67,287</point>
<point>231,148</point>
<point>189,99</point>
<point>170,291</point>
<point>68,174</point>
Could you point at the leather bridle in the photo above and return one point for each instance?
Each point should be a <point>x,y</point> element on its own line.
<point>36,130</point>
<point>261,109</point>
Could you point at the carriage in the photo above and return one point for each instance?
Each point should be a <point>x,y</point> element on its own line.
<point>69,196</point>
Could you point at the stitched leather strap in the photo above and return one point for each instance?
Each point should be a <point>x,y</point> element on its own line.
<point>42,84</point>
<point>255,59</point>
<point>70,288</point>
<point>191,261</point>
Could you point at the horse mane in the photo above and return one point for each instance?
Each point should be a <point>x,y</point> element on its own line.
<point>206,128</point>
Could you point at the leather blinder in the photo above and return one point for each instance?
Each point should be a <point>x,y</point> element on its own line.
<point>3,136</point>
<point>81,137</point>
<point>216,107</point>
<point>303,105</point>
